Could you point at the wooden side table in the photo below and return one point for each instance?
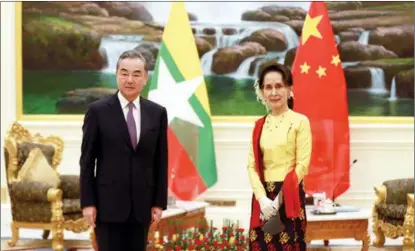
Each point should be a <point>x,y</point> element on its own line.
<point>339,226</point>
<point>186,214</point>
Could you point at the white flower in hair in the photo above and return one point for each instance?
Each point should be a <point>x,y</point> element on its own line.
<point>258,92</point>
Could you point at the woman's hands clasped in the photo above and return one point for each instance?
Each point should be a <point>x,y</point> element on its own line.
<point>268,207</point>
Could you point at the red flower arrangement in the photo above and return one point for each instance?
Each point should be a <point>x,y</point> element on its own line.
<point>228,238</point>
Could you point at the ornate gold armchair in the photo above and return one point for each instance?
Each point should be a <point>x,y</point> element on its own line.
<point>40,198</point>
<point>393,212</point>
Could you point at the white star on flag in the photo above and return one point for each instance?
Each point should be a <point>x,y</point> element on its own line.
<point>174,96</point>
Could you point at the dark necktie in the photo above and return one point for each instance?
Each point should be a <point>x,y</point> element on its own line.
<point>132,129</point>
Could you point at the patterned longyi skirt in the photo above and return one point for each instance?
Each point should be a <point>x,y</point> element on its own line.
<point>292,238</point>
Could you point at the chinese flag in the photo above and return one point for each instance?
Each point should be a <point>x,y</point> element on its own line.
<point>320,93</point>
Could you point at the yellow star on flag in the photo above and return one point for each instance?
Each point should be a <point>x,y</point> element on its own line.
<point>310,28</point>
<point>335,60</point>
<point>321,71</point>
<point>304,67</point>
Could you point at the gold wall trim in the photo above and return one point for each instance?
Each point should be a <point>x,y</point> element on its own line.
<point>216,119</point>
<point>18,59</point>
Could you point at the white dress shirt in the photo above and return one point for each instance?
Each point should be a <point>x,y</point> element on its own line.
<point>136,112</point>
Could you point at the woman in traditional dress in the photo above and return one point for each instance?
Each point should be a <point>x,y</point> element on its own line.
<point>278,160</point>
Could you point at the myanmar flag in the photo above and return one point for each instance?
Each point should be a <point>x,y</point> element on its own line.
<point>178,85</point>
<point>320,93</point>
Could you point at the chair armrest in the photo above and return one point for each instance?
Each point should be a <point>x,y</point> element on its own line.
<point>55,196</point>
<point>380,192</point>
<point>70,186</point>
<point>32,191</point>
<point>410,200</point>
<point>408,224</point>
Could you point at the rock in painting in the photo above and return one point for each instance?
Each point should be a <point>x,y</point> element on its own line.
<point>192,17</point>
<point>271,39</point>
<point>290,56</point>
<point>357,77</point>
<point>148,55</point>
<point>399,39</point>
<point>129,10</point>
<point>57,44</point>
<point>67,35</point>
<point>405,84</point>
<point>202,46</point>
<point>256,15</point>
<point>275,13</point>
<point>354,51</point>
<point>227,60</point>
<point>292,13</point>
<point>76,101</point>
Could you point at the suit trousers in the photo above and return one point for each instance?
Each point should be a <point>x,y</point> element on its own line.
<point>130,235</point>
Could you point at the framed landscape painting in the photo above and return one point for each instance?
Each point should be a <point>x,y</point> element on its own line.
<point>66,53</point>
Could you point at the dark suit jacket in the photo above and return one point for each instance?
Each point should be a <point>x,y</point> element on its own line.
<point>125,178</point>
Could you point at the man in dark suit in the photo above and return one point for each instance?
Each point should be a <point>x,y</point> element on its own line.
<point>123,161</point>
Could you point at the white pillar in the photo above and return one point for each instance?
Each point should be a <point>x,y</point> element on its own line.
<point>8,75</point>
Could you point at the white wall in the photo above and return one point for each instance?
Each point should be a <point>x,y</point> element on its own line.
<point>383,151</point>
<point>8,107</point>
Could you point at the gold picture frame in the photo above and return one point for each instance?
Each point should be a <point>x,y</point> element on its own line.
<point>215,119</point>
